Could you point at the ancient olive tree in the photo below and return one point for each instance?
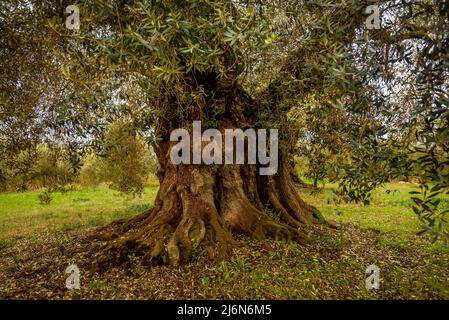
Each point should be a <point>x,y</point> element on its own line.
<point>193,60</point>
<point>231,65</point>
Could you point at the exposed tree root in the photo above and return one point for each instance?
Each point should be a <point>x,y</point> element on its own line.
<point>197,210</point>
<point>199,207</point>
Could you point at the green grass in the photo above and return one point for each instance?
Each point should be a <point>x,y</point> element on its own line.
<point>390,210</point>
<point>22,215</point>
<point>331,266</point>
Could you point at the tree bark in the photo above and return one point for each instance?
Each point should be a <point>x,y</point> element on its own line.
<point>199,207</point>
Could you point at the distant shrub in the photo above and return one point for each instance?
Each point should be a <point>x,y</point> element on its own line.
<point>45,198</point>
<point>93,171</point>
<point>39,166</point>
<point>152,180</point>
<point>52,169</point>
<point>126,165</point>
<point>126,158</point>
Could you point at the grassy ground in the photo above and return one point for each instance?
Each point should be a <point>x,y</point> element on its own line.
<point>39,241</point>
<point>390,210</point>
<point>22,215</point>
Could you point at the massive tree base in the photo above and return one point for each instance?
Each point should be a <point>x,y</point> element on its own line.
<point>199,208</point>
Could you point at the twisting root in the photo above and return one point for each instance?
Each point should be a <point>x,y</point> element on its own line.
<point>185,219</point>
<point>196,210</point>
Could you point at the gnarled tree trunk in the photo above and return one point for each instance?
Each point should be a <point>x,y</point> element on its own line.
<point>199,207</point>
